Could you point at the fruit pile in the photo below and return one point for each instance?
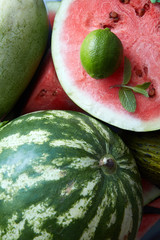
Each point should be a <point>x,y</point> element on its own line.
<point>80,119</point>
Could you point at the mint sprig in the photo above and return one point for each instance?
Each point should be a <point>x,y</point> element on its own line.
<point>127,71</point>
<point>126,92</point>
<point>127,99</point>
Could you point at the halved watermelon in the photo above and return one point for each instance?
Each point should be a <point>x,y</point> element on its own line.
<point>52,7</point>
<point>138,27</point>
<point>45,92</point>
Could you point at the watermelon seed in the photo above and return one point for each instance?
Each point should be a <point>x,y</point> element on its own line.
<point>103,25</point>
<point>146,6</point>
<point>145,69</point>
<point>151,91</point>
<point>42,92</point>
<point>114,16</point>
<point>125,1</point>
<point>140,12</point>
<point>54,93</point>
<point>138,72</point>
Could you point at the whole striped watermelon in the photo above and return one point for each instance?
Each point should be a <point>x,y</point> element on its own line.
<point>66,176</point>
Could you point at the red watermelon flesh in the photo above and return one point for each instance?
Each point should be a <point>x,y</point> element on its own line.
<point>138,27</point>
<point>46,93</point>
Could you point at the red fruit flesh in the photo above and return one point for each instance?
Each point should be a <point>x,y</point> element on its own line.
<point>47,92</point>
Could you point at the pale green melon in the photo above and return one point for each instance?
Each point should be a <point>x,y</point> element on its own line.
<point>23,38</point>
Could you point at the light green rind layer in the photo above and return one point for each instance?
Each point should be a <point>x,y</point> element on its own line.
<point>52,6</point>
<point>52,186</point>
<point>23,39</point>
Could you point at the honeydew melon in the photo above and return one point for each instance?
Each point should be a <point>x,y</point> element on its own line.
<point>23,39</point>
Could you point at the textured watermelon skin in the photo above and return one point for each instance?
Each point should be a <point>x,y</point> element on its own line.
<point>137,26</point>
<point>51,184</point>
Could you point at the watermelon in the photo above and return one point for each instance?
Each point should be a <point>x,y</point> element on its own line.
<point>65,175</point>
<point>52,7</point>
<point>137,25</point>
<point>145,149</point>
<point>150,224</point>
<point>150,191</point>
<point>45,91</point>
<point>23,39</point>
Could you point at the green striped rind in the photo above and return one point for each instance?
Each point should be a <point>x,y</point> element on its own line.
<point>51,184</point>
<point>146,150</point>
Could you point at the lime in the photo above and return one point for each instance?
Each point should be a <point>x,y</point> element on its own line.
<point>101,53</point>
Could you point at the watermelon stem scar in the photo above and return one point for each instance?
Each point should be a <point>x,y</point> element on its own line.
<point>108,164</point>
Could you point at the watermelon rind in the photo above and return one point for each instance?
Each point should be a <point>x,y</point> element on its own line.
<point>52,6</point>
<point>152,194</point>
<point>104,112</point>
<point>52,186</point>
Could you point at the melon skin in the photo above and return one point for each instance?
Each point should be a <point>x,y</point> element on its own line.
<point>138,30</point>
<point>52,186</point>
<point>23,39</point>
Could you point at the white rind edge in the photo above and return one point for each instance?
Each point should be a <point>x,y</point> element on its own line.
<point>117,119</point>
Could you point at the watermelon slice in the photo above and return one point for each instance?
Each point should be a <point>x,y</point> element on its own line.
<point>150,191</point>
<point>45,91</point>
<point>138,27</point>
<point>150,224</point>
<point>52,7</point>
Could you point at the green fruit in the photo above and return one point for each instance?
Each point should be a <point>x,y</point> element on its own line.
<point>23,38</point>
<point>146,151</point>
<point>101,53</point>
<point>56,182</point>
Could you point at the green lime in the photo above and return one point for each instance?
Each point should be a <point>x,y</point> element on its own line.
<point>101,53</point>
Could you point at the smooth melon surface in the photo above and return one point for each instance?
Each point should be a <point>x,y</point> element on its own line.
<point>23,39</point>
<point>138,27</point>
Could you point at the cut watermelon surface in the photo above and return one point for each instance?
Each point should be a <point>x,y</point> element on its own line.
<point>138,27</point>
<point>46,92</point>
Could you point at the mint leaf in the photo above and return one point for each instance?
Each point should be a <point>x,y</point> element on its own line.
<point>141,91</point>
<point>127,71</point>
<point>137,90</point>
<point>126,95</point>
<point>144,85</point>
<point>127,99</point>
